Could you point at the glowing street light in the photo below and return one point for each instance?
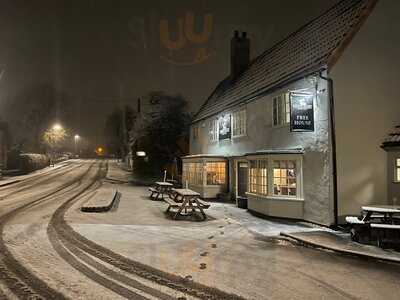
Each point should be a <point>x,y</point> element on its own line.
<point>76,139</point>
<point>57,127</point>
<point>99,151</point>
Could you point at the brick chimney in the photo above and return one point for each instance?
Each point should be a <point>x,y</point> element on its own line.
<point>240,53</point>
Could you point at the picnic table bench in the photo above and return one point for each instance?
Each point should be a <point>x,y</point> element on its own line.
<point>378,223</point>
<point>161,188</point>
<point>189,201</point>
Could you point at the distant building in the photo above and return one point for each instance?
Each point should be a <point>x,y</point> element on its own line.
<point>297,130</point>
<point>392,146</point>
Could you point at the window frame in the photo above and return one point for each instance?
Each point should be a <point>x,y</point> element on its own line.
<point>283,97</point>
<point>240,114</point>
<point>396,177</point>
<point>191,174</point>
<point>285,161</point>
<point>260,178</point>
<point>195,132</point>
<point>213,130</point>
<point>206,172</point>
<point>298,158</point>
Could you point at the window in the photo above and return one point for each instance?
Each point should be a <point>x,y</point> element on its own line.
<point>258,179</point>
<point>397,170</point>
<point>195,132</point>
<point>216,173</point>
<point>281,110</point>
<point>285,182</point>
<point>193,173</point>
<point>239,123</point>
<point>213,130</point>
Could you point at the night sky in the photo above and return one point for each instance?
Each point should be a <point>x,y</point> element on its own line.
<point>91,53</point>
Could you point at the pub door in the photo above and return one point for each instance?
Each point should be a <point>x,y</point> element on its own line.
<point>242,173</point>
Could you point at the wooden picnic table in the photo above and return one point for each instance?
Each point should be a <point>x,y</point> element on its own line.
<point>378,223</point>
<point>161,188</point>
<point>189,202</point>
<point>385,212</point>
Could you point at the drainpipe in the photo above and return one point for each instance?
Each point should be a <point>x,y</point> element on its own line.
<point>333,140</point>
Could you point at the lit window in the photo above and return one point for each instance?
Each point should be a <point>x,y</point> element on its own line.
<point>285,182</point>
<point>216,173</point>
<point>397,170</point>
<point>192,173</point>
<point>239,123</point>
<point>195,132</point>
<point>213,130</point>
<point>281,110</point>
<point>258,178</point>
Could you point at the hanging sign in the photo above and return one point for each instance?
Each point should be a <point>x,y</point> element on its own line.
<point>301,112</point>
<point>224,127</point>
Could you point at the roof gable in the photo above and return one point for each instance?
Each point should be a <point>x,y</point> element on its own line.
<point>317,44</point>
<point>393,139</point>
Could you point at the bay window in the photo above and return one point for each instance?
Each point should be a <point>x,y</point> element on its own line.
<point>193,173</point>
<point>285,179</point>
<point>216,173</point>
<point>258,179</point>
<point>277,176</point>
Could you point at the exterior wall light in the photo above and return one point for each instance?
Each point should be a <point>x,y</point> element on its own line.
<point>141,153</point>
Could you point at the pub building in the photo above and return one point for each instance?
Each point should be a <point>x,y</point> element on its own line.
<point>297,130</point>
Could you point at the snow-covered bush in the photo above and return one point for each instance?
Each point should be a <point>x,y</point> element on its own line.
<point>32,161</point>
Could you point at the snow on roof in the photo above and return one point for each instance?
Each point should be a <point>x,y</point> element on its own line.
<point>315,46</point>
<point>392,139</point>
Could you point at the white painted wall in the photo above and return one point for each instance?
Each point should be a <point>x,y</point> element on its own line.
<point>261,135</point>
<point>366,90</point>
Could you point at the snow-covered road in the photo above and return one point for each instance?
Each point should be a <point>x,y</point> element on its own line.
<point>50,250</point>
<point>43,257</point>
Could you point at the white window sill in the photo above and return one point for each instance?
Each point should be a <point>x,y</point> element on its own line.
<point>279,198</point>
<point>239,136</point>
<point>280,126</point>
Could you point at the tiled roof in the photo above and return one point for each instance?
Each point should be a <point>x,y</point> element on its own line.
<point>314,46</point>
<point>393,138</point>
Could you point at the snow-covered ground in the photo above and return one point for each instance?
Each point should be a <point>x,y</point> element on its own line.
<point>232,250</point>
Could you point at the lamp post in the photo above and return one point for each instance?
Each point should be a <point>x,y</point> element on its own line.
<point>76,140</point>
<point>57,131</point>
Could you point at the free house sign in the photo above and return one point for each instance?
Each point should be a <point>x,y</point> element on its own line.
<point>301,112</point>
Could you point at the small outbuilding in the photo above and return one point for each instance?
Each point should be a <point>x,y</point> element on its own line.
<point>392,146</point>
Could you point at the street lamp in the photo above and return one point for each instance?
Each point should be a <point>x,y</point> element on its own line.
<point>57,127</point>
<point>76,139</point>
